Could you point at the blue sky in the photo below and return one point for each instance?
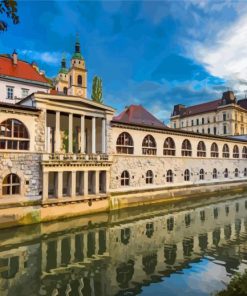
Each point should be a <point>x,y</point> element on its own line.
<point>154,53</point>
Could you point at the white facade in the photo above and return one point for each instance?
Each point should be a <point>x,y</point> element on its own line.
<point>20,89</point>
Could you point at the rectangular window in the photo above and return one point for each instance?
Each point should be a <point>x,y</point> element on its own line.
<point>202,120</point>
<point>197,121</point>
<point>192,122</point>
<point>225,130</point>
<point>25,92</point>
<point>10,92</point>
<point>224,116</point>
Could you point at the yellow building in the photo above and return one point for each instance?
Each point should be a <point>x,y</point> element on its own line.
<point>73,81</point>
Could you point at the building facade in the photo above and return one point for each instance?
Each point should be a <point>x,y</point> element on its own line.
<point>65,152</point>
<point>18,79</point>
<point>226,116</point>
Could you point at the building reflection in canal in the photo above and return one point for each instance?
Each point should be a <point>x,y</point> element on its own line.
<point>121,252</point>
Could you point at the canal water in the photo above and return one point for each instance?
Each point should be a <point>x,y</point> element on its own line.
<point>184,248</point>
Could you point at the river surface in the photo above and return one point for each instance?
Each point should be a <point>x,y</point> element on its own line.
<point>184,248</point>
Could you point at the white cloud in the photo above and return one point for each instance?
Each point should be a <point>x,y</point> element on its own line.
<point>46,57</point>
<point>226,56</point>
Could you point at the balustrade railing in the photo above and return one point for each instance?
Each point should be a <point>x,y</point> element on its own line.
<point>75,157</point>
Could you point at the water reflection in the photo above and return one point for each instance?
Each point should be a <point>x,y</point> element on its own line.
<point>121,253</point>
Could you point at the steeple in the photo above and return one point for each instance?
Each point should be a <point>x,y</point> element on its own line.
<point>63,68</point>
<point>77,53</point>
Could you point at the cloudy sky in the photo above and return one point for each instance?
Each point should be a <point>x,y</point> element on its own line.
<point>154,53</point>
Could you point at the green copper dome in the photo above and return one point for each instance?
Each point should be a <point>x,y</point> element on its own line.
<point>77,54</point>
<point>63,68</point>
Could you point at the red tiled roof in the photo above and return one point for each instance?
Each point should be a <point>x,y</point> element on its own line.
<point>201,108</point>
<point>136,114</point>
<point>22,70</point>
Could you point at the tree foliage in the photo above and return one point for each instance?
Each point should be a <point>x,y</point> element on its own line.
<point>97,90</point>
<point>8,8</point>
<point>236,287</point>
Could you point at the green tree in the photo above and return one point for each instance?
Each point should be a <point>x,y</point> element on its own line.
<point>236,287</point>
<point>97,90</point>
<point>8,8</point>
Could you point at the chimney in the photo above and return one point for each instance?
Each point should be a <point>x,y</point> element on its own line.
<point>177,109</point>
<point>228,97</point>
<point>14,57</point>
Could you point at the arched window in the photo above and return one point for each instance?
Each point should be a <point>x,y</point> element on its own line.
<point>13,135</point>
<point>226,173</point>
<point>245,172</point>
<point>201,149</point>
<point>214,150</point>
<point>201,174</point>
<point>169,147</point>
<point>149,177</point>
<point>215,174</point>
<point>65,90</point>
<point>186,175</point>
<point>169,176</point>
<point>235,152</point>
<point>125,178</point>
<point>11,185</point>
<point>186,148</point>
<point>244,152</point>
<point>125,144</point>
<point>225,151</point>
<point>79,80</point>
<point>149,145</point>
<point>236,173</point>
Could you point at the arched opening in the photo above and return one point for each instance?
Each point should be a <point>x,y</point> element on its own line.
<point>11,185</point>
<point>214,150</point>
<point>125,178</point>
<point>79,80</point>
<point>202,174</point>
<point>235,152</point>
<point>149,145</point>
<point>186,175</point>
<point>215,173</point>
<point>226,151</point>
<point>125,144</point>
<point>149,177</point>
<point>201,149</point>
<point>14,135</point>
<point>169,176</point>
<point>186,148</point>
<point>169,147</point>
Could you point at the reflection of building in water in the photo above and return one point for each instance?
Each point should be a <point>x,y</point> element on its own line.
<point>127,254</point>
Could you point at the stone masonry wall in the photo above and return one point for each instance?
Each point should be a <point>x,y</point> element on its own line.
<point>27,167</point>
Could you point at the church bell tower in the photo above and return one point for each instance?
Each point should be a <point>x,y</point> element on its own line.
<point>77,75</point>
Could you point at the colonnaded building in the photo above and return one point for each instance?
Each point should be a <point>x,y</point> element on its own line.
<point>62,154</point>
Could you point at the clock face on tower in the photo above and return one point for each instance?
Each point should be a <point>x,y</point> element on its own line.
<point>79,92</point>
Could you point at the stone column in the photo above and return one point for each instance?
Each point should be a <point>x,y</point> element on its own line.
<point>96,183</point>
<point>73,184</point>
<point>43,256</point>
<point>45,186</point>
<point>107,180</point>
<point>82,144</point>
<point>103,136</point>
<point>85,175</point>
<point>93,135</point>
<point>85,245</point>
<point>70,133</point>
<point>96,242</point>
<point>59,185</point>
<point>59,252</point>
<point>57,132</point>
